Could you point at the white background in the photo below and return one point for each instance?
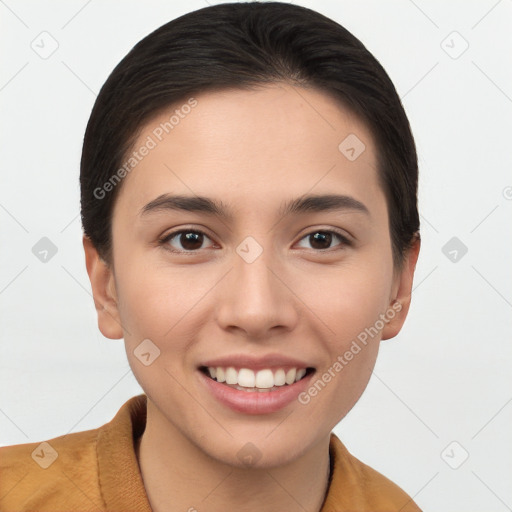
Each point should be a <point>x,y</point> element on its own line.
<point>446,377</point>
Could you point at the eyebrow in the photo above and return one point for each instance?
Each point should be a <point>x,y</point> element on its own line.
<point>300,205</point>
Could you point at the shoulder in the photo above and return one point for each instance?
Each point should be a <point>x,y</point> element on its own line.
<point>84,471</point>
<point>355,484</point>
<point>56,472</point>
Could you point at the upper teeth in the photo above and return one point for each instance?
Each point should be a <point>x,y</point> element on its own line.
<point>261,379</point>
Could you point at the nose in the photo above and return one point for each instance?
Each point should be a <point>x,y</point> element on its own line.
<point>255,298</point>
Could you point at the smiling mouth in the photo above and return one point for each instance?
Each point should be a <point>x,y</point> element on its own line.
<point>265,380</point>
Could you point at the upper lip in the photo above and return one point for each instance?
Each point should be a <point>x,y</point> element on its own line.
<point>256,363</point>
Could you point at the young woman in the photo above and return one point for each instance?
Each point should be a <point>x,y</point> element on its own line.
<point>248,192</point>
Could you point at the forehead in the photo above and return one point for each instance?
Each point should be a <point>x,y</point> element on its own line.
<point>248,146</point>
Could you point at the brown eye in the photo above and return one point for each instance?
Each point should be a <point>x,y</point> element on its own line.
<point>191,241</point>
<point>322,240</point>
<point>185,240</point>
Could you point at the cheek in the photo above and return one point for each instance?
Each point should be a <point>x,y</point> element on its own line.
<point>151,296</point>
<point>351,312</point>
<point>336,389</point>
<point>350,299</point>
<point>145,303</point>
<point>164,305</point>
<point>349,305</point>
<point>156,305</point>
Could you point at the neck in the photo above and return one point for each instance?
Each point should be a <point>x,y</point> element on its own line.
<point>188,479</point>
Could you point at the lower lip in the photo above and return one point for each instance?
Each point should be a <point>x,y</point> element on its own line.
<point>256,402</point>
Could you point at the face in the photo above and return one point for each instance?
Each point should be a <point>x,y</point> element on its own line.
<point>253,291</point>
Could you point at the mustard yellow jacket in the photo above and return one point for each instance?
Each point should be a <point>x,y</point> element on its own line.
<point>97,470</point>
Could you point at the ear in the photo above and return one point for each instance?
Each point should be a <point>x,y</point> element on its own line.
<point>103,291</point>
<point>402,290</point>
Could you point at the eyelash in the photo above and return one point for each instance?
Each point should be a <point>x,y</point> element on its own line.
<point>345,242</point>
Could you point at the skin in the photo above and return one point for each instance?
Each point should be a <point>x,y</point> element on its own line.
<point>252,150</point>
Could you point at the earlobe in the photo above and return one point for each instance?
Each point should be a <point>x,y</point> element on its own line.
<point>103,291</point>
<point>401,300</point>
